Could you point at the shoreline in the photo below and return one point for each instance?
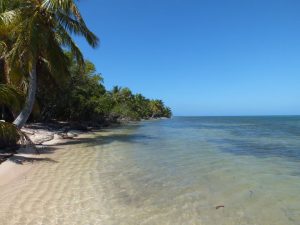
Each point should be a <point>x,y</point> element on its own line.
<point>43,137</point>
<point>149,172</point>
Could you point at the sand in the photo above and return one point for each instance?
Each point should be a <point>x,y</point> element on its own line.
<point>149,175</point>
<point>27,178</point>
<point>18,165</point>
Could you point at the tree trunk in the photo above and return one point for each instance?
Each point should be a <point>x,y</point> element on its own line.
<point>26,111</point>
<point>6,72</point>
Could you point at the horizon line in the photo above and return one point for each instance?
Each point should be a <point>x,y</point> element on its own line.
<point>270,115</point>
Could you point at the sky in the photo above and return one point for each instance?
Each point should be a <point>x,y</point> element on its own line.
<point>212,57</point>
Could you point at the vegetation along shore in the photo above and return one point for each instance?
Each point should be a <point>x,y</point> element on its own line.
<point>53,82</point>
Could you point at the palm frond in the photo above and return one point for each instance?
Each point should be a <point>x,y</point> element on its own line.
<point>55,59</point>
<point>3,48</point>
<point>26,46</point>
<point>10,97</point>
<point>66,6</point>
<point>78,28</point>
<point>9,134</point>
<point>8,17</point>
<point>65,40</point>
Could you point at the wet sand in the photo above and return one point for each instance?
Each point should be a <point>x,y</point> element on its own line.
<point>152,174</point>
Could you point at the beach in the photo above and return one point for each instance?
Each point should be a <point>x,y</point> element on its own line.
<point>179,171</point>
<point>26,156</point>
<point>149,112</point>
<point>35,188</point>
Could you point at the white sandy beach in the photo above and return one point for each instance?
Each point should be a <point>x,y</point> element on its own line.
<point>21,163</point>
<point>148,174</point>
<point>23,186</point>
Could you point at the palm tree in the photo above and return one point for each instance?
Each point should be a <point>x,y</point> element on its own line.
<point>156,107</point>
<point>9,134</point>
<point>9,96</point>
<point>141,105</point>
<point>41,31</point>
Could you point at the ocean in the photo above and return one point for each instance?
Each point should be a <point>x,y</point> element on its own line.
<point>184,170</point>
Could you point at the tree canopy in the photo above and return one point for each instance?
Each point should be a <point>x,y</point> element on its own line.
<point>44,76</point>
<point>84,97</point>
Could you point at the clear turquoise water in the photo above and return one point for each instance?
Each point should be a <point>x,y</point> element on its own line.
<point>167,172</point>
<point>177,171</point>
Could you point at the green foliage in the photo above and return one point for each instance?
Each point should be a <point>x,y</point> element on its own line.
<point>33,23</point>
<point>78,98</point>
<point>35,34</point>
<point>10,97</point>
<point>83,98</point>
<point>69,87</point>
<point>9,134</point>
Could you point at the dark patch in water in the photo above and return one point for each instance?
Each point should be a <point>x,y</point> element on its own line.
<point>255,148</point>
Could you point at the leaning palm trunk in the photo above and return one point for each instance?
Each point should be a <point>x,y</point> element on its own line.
<point>26,111</point>
<point>29,25</point>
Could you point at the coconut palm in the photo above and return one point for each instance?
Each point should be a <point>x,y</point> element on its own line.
<point>41,31</point>
<point>157,107</point>
<point>10,97</point>
<point>9,133</point>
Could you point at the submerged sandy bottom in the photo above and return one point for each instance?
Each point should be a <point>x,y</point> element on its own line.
<point>111,178</point>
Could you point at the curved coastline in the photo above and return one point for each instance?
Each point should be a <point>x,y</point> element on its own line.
<point>164,172</point>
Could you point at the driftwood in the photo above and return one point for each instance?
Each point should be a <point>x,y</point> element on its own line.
<point>5,156</point>
<point>66,136</point>
<point>28,132</point>
<point>26,141</point>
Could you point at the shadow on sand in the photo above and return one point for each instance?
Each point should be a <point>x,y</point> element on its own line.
<point>95,139</point>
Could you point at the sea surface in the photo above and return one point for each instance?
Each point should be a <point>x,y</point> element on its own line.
<point>185,170</point>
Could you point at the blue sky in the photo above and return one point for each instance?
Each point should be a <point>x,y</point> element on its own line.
<point>213,57</point>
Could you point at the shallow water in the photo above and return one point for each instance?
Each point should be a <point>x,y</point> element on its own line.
<point>167,172</point>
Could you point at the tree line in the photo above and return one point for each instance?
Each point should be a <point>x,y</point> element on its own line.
<point>43,73</point>
<point>84,97</point>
